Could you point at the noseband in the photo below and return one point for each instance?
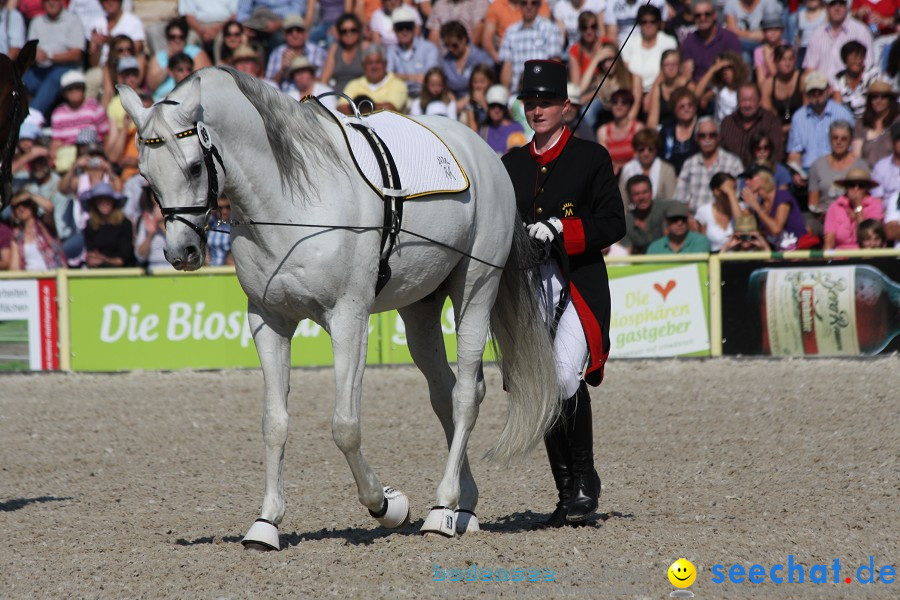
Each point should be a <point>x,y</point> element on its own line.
<point>210,152</point>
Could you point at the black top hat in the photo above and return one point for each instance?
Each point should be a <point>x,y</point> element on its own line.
<point>544,79</point>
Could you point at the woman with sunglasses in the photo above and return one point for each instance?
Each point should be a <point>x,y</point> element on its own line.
<point>871,135</point>
<point>584,49</point>
<point>620,78</point>
<point>847,212</point>
<point>826,170</point>
<point>658,102</point>
<point>344,60</point>
<point>158,78</point>
<point>643,56</point>
<point>120,46</point>
<point>616,135</point>
<point>782,92</point>
<point>763,149</point>
<point>233,37</point>
<point>678,142</point>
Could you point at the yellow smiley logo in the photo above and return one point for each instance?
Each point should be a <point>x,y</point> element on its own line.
<point>682,573</point>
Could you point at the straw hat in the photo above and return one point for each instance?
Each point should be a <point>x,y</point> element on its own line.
<point>860,176</point>
<point>745,224</point>
<point>880,87</point>
<point>245,52</point>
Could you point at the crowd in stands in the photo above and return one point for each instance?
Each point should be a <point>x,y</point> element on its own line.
<point>732,125</point>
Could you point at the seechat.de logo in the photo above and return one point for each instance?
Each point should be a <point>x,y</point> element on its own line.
<point>682,574</point>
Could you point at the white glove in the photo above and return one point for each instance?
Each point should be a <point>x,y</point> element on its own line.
<point>545,231</point>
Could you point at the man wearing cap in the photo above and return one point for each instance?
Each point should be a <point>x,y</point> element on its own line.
<point>887,174</point>
<point>412,55</point>
<point>76,113</point>
<point>738,127</point>
<point>302,75</point>
<point>808,137</point>
<point>295,45</point>
<point>825,43</point>
<point>566,193</point>
<point>679,239</point>
<point>60,39</point>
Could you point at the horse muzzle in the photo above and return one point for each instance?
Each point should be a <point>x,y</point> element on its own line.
<point>188,258</point>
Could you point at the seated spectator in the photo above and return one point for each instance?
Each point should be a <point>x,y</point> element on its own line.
<point>887,173</point>
<point>870,234</point>
<point>644,216</point>
<point>499,16</point>
<point>681,23</point>
<point>746,236</point>
<point>218,240</point>
<point>726,75</point>
<point>693,181</point>
<point>619,17</point>
<point>646,162</point>
<point>469,13</point>
<point>677,139</point>
<point>109,235</point>
<point>809,137</point>
<point>344,60</point>
<point>90,168</point>
<point>101,33</point>
<point>829,168</point>
<point>303,79</point>
<point>679,239</point>
<point>808,18</point>
<point>249,60</point>
<point>121,143</point>
<point>825,43</point>
<point>60,39</point>
<point>750,118</point>
<point>435,98</point>
<point>744,18</point>
<point>296,44</point>
<point>854,80</point>
<point>76,113</point>
<point>321,17</point>
<point>716,219</point>
<point>386,90</point>
<point>232,38</point>
<point>35,246</point>
<point>30,146</point>
<point>643,54</point>
<point>532,38</point>
<point>658,101</point>
<point>150,238</point>
<point>616,135</point>
<point>474,112</point>
<point>43,186</point>
<point>586,45</point>
<point>777,212</point>
<point>121,47</point>
<point>159,80</point>
<point>12,24</point>
<point>500,132</point>
<point>566,13</point>
<point>782,93</point>
<point>572,115</point>
<point>6,241</point>
<point>412,55</point>
<point>460,60</point>
<point>618,78</point>
<point>381,25</point>
<point>762,148</point>
<point>707,42</point>
<point>847,212</point>
<point>871,137</point>
<point>263,19</point>
<point>772,27</point>
<point>878,15</point>
<point>208,19</point>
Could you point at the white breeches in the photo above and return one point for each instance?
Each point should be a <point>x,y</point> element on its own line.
<point>570,345</point>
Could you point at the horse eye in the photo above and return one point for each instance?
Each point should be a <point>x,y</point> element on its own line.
<point>195,170</point>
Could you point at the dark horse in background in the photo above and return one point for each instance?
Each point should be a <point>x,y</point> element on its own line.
<point>13,110</point>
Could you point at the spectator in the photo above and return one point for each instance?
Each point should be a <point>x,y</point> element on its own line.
<point>726,74</point>
<point>6,241</point>
<point>412,55</point>
<point>150,238</point>
<point>500,132</point>
<point>159,80</point>
<point>12,30</point>
<point>208,19</point>
<point>532,38</point>
<point>218,240</point>
<point>616,135</point>
<point>679,239</point>
<point>295,45</point>
<point>744,18</point>
<point>762,149</point>
<point>810,17</point>
<point>91,167</point>
<point>320,29</point>
<point>469,13</point>
<point>43,186</point>
<point>877,14</point>
<point>746,236</point>
<point>571,116</point>
<point>114,23</point>
<point>739,127</point>
<point>28,148</point>
<point>344,60</point>
<point>619,78</point>
<point>460,60</point>
<point>716,219</point>
<point>677,139</point>
<point>583,50</point>
<point>702,46</point>
<point>833,166</point>
<point>764,55</point>
<point>232,38</point>
<point>871,135</point>
<point>645,217</point>
<point>643,55</point>
<point>500,15</point>
<point>381,25</point>
<point>777,212</point>
<point>693,181</point>
<point>852,82</point>
<point>646,162</point>
<point>847,212</point>
<point>73,115</point>
<point>108,237</point>
<point>121,47</point>
<point>474,112</point>
<point>681,24</point>
<point>657,102</point>
<point>263,19</point>
<point>567,14</point>
<point>825,44</point>
<point>620,16</point>
<point>887,174</point>
<point>435,98</point>
<point>782,93</point>
<point>248,59</point>
<point>384,89</point>
<point>303,77</point>
<point>808,138</point>
<point>870,234</point>
<point>34,246</point>
<point>60,43</point>
<point>121,143</point>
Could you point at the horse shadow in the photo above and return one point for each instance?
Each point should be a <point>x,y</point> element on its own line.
<point>20,503</point>
<point>529,520</point>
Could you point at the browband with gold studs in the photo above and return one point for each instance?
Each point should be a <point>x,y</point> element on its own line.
<point>158,141</point>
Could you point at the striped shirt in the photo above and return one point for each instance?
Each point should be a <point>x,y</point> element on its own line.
<point>824,52</point>
<point>540,41</point>
<point>693,181</point>
<point>66,122</point>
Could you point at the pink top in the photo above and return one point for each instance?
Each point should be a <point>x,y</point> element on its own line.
<point>839,219</point>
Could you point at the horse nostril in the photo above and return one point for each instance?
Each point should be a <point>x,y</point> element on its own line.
<point>191,252</point>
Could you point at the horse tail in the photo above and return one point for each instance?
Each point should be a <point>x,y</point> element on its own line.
<point>524,348</point>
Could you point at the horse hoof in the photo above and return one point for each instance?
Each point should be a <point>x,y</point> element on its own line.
<point>262,536</point>
<point>394,512</point>
<point>440,520</point>
<point>466,521</point>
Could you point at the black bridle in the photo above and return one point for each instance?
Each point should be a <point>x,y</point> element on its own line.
<point>210,152</point>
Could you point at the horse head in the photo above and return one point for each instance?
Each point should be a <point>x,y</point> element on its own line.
<point>14,108</point>
<point>178,157</point>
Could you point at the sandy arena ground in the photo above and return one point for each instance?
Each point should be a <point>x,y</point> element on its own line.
<point>141,485</point>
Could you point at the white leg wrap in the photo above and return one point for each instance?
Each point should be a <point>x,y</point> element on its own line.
<point>466,521</point>
<point>262,533</point>
<point>440,520</point>
<point>395,511</point>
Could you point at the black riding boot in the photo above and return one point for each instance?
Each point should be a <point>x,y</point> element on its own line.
<point>557,444</point>
<point>585,481</point>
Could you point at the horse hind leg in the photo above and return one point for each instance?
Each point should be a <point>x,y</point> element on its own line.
<point>426,346</point>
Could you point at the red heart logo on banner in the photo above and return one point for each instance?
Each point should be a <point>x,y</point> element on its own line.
<point>664,291</point>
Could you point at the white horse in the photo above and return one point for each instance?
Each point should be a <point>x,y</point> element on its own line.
<point>222,132</point>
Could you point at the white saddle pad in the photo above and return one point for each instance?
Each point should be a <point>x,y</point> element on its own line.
<point>425,163</point>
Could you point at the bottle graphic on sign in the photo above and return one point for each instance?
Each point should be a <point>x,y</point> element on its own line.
<point>836,310</point>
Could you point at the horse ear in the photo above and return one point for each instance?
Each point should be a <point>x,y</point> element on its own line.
<point>26,57</point>
<point>132,104</point>
<point>190,102</point>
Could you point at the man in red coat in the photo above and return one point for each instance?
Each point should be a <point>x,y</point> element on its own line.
<point>567,195</point>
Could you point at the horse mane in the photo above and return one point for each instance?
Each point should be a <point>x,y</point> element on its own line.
<point>290,127</point>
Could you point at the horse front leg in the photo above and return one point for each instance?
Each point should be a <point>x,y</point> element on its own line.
<point>349,328</point>
<point>272,336</point>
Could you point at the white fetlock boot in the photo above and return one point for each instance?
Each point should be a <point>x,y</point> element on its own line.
<point>440,520</point>
<point>394,512</point>
<point>466,521</point>
<point>262,535</point>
